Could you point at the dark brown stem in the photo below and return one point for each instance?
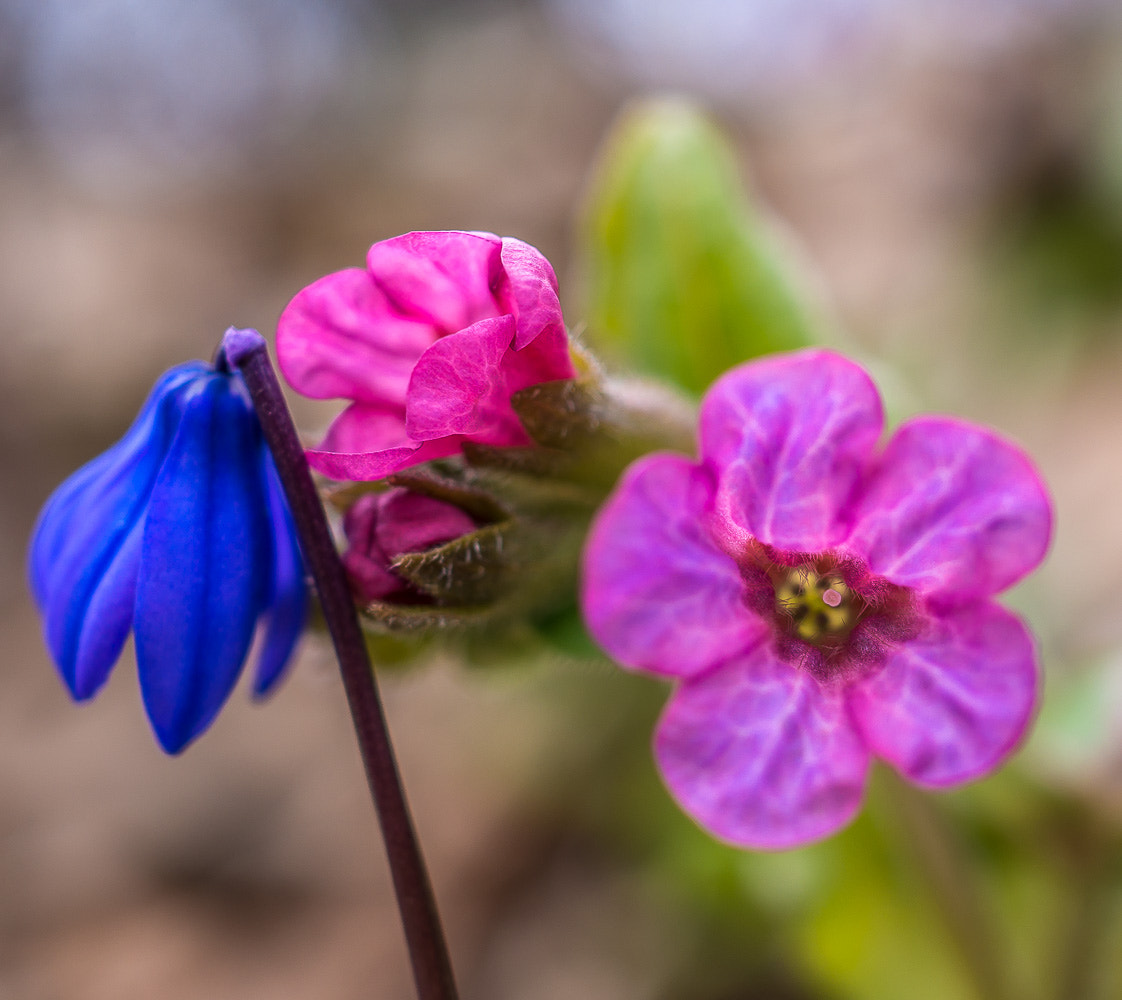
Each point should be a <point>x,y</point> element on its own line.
<point>432,970</point>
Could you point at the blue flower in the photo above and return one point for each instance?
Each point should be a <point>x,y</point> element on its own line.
<point>181,533</point>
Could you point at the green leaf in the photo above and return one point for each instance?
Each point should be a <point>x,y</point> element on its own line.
<point>683,278</point>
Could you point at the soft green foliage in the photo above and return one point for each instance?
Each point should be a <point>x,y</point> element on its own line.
<point>683,277</point>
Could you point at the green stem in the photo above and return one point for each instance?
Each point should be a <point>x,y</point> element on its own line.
<point>1088,851</point>
<point>945,866</point>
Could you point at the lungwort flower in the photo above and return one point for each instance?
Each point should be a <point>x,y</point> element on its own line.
<point>820,601</point>
<point>429,342</point>
<point>181,534</point>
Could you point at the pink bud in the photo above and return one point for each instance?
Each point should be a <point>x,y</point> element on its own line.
<point>382,526</point>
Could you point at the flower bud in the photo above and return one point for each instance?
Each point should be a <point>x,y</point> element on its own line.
<point>380,527</point>
<point>181,534</point>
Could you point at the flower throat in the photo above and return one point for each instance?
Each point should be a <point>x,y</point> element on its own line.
<point>829,614</point>
<point>820,608</point>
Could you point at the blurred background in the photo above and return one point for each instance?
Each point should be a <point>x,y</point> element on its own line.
<point>950,174</point>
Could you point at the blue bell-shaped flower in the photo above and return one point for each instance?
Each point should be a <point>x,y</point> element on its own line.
<point>181,533</point>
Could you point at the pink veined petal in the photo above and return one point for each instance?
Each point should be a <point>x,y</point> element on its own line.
<point>952,509</point>
<point>370,466</point>
<point>760,754</point>
<point>444,278</point>
<point>367,443</point>
<point>544,359</point>
<point>656,592</point>
<point>339,337</point>
<point>459,387</point>
<point>788,437</point>
<point>361,428</point>
<point>532,292</point>
<point>953,704</point>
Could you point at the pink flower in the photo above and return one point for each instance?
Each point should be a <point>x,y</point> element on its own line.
<point>820,601</point>
<point>429,342</point>
<point>382,526</point>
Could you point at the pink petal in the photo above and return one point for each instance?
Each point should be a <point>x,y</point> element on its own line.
<point>367,443</point>
<point>657,593</point>
<point>380,527</point>
<point>362,427</point>
<point>339,337</point>
<point>446,279</point>
<point>953,704</point>
<point>952,509</point>
<point>370,580</point>
<point>411,522</point>
<point>459,387</point>
<point>366,564</point>
<point>544,359</point>
<point>371,466</point>
<point>762,755</point>
<point>531,293</point>
<point>788,437</point>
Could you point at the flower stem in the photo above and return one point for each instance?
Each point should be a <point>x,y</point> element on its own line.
<point>942,862</point>
<point>428,952</point>
<point>1087,860</point>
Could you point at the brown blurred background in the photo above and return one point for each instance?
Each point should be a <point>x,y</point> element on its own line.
<point>953,171</point>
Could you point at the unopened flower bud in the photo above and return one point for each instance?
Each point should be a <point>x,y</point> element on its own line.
<point>380,527</point>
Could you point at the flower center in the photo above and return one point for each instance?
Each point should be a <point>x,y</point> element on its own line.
<point>830,615</point>
<point>817,607</point>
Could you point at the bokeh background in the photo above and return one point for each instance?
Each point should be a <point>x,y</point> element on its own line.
<point>950,173</point>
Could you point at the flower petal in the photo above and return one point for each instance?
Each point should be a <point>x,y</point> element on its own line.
<point>411,522</point>
<point>362,427</point>
<point>368,443</point>
<point>341,338</point>
<point>287,601</point>
<point>107,621</point>
<point>445,279</point>
<point>459,386</point>
<point>366,564</point>
<point>545,359</point>
<point>954,703</point>
<point>203,562</point>
<point>56,521</point>
<point>531,293</point>
<point>788,438</point>
<point>89,493</point>
<point>657,593</point>
<point>952,509</point>
<point>81,564</point>
<point>762,755</point>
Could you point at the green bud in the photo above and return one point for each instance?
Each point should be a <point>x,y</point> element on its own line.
<point>683,277</point>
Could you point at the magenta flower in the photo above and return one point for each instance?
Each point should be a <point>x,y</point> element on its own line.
<point>382,526</point>
<point>819,601</point>
<point>429,342</point>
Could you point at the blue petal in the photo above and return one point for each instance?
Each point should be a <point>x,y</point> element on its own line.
<point>54,526</point>
<point>103,629</point>
<point>82,567</point>
<point>287,604</point>
<point>204,555</point>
